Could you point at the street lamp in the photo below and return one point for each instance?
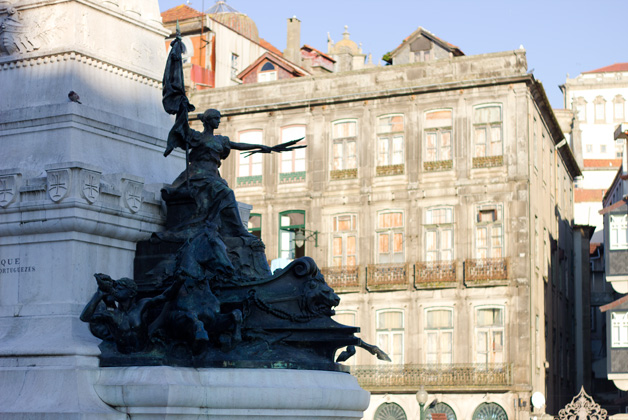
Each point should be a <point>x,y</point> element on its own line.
<point>300,237</point>
<point>421,397</point>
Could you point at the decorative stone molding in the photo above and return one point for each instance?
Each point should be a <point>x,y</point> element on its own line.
<point>439,165</point>
<point>90,185</point>
<point>72,179</point>
<point>344,174</point>
<point>488,161</point>
<point>58,184</point>
<point>388,170</point>
<point>9,185</point>
<point>582,407</point>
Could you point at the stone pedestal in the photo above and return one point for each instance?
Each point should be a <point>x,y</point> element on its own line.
<point>230,394</point>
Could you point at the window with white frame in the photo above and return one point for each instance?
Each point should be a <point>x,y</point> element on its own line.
<point>438,129</point>
<point>439,234</point>
<point>390,333</point>
<point>489,232</point>
<point>439,330</point>
<point>234,65</point>
<point>599,105</point>
<point>390,237</point>
<point>619,148</point>
<point>290,222</point>
<point>619,231</point>
<point>489,335</point>
<point>344,240</point>
<point>267,73</point>
<point>390,134</point>
<point>293,161</point>
<point>580,105</point>
<point>619,329</point>
<point>487,126</point>
<point>618,108</point>
<point>250,166</point>
<point>344,145</point>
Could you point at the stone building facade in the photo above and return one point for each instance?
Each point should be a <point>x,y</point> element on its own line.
<point>438,200</point>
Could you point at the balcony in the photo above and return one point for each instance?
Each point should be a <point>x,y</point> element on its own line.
<point>337,174</point>
<point>387,277</point>
<point>488,161</point>
<point>438,165</point>
<point>446,377</point>
<point>388,170</point>
<point>486,272</point>
<point>342,279</point>
<point>435,274</point>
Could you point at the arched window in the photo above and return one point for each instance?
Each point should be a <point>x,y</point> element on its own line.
<point>440,408</point>
<point>390,411</point>
<point>267,73</point>
<point>489,411</point>
<point>268,66</point>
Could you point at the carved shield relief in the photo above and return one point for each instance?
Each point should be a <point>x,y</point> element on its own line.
<point>58,184</point>
<point>133,196</point>
<point>90,185</point>
<point>8,189</point>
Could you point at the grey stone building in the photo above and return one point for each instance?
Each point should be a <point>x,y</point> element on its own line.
<point>438,199</point>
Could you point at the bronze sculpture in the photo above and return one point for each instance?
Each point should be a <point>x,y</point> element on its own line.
<point>203,293</point>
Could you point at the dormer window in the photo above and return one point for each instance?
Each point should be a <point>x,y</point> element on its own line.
<point>267,73</point>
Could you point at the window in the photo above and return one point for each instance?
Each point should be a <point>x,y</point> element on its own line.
<point>344,238</point>
<point>344,145</point>
<point>390,237</point>
<point>619,231</point>
<point>602,148</point>
<point>439,234</point>
<point>439,329</point>
<point>489,333</point>
<point>589,148</point>
<point>267,73</point>
<point>488,130</point>
<point>390,331</point>
<point>390,411</point>
<point>250,168</point>
<point>535,143</point>
<point>489,240</point>
<point>438,126</point>
<point>390,140</point>
<point>600,109</point>
<point>255,224</point>
<point>580,106</point>
<point>619,329</point>
<point>618,108</point>
<point>292,168</point>
<point>619,148</point>
<point>234,65</point>
<point>289,223</point>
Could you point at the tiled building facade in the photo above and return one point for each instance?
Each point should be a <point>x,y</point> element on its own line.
<point>437,198</point>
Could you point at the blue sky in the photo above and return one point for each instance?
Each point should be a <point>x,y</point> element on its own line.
<point>559,36</point>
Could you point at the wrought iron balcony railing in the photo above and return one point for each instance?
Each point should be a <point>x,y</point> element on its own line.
<point>387,276</point>
<point>342,279</point>
<point>484,271</point>
<point>476,376</point>
<point>435,274</point>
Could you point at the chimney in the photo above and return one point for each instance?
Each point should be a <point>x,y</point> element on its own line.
<point>293,43</point>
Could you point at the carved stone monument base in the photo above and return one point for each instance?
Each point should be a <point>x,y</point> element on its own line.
<point>161,392</point>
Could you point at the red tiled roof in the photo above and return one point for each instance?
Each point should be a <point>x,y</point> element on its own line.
<point>614,304</point>
<point>180,12</point>
<point>322,54</point>
<point>601,163</point>
<point>610,69</point>
<point>593,246</point>
<point>582,195</point>
<point>270,47</point>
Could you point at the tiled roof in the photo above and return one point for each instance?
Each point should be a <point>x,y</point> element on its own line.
<point>424,31</point>
<point>582,195</point>
<point>614,304</point>
<point>270,47</point>
<point>601,163</point>
<point>181,12</point>
<point>319,52</point>
<point>610,69</point>
<point>593,246</point>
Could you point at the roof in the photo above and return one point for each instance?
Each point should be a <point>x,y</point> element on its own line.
<point>270,47</point>
<point>610,69</point>
<point>275,59</point>
<point>221,7</point>
<point>322,54</point>
<point>582,195</point>
<point>422,31</point>
<point>614,304</point>
<point>593,247</point>
<point>601,163</point>
<point>181,12</point>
